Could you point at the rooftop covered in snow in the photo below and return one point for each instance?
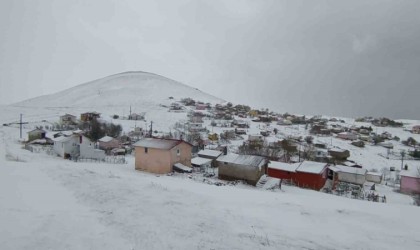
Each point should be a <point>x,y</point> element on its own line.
<point>283,166</point>
<point>158,143</point>
<point>311,167</point>
<point>210,153</point>
<point>249,160</point>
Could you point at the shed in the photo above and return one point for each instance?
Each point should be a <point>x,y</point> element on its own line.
<point>36,134</point>
<point>348,174</point>
<point>374,177</point>
<point>108,143</point>
<point>311,175</point>
<point>249,168</point>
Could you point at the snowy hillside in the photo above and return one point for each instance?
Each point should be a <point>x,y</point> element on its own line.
<point>138,89</point>
<point>144,92</point>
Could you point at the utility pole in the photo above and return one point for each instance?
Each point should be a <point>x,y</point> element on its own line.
<point>130,114</point>
<point>21,123</point>
<point>151,128</point>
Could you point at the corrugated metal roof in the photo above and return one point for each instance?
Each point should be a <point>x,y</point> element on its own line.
<point>249,160</point>
<point>350,170</point>
<point>209,152</point>
<point>157,143</point>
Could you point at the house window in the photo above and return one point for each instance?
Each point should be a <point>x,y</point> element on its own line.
<point>145,150</point>
<point>178,152</point>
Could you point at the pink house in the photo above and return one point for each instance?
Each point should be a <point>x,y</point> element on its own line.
<point>410,182</point>
<point>416,129</point>
<point>160,155</point>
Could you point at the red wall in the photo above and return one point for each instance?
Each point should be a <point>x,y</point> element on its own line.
<point>280,174</point>
<point>304,180</point>
<point>312,181</point>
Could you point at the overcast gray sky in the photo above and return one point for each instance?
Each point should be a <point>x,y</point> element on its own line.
<point>346,58</point>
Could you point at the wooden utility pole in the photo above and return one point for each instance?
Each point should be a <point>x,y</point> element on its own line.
<point>151,128</point>
<point>20,124</point>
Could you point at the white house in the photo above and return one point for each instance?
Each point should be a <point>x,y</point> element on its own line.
<point>348,174</point>
<point>77,145</point>
<point>347,136</point>
<point>374,177</point>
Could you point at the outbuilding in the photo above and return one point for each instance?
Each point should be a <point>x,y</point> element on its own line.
<point>374,177</point>
<point>249,168</point>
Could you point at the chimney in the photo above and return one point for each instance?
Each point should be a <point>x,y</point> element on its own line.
<point>225,150</point>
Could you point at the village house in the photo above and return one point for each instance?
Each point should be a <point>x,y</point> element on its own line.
<point>195,127</point>
<point>136,117</point>
<point>255,138</point>
<point>36,134</point>
<point>415,129</point>
<point>249,168</point>
<point>339,154</point>
<point>282,121</point>
<point>374,177</point>
<point>89,116</point>
<point>410,181</point>
<point>160,155</point>
<point>77,146</point>
<point>68,119</point>
<point>210,154</point>
<point>306,174</point>
<point>347,136</point>
<point>108,143</point>
<point>346,174</point>
<point>200,106</point>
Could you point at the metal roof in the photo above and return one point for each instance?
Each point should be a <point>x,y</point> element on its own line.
<point>209,152</point>
<point>157,143</point>
<point>248,160</point>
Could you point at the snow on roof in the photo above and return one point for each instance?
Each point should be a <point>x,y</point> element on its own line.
<point>339,150</point>
<point>200,161</point>
<point>411,172</point>
<point>350,170</point>
<point>183,167</point>
<point>249,160</point>
<point>209,152</point>
<point>106,139</point>
<point>37,130</point>
<point>311,167</point>
<point>157,143</point>
<point>61,139</point>
<point>283,166</point>
<point>374,173</point>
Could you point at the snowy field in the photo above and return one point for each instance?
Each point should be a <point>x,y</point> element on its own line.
<point>50,203</point>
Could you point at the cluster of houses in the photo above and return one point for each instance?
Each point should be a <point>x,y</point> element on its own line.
<point>157,155</point>
<point>162,156</point>
<point>73,144</point>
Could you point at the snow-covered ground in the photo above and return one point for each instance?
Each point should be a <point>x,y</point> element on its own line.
<point>50,203</point>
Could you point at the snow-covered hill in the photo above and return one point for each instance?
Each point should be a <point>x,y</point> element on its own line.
<point>144,92</point>
<point>137,89</point>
